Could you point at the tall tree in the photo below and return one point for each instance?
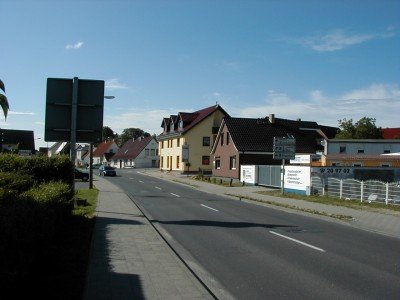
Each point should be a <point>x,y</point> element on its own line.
<point>131,133</point>
<point>364,128</point>
<point>3,100</point>
<point>108,133</point>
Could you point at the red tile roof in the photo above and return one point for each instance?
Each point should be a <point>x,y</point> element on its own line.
<point>391,133</point>
<point>102,148</point>
<point>131,149</point>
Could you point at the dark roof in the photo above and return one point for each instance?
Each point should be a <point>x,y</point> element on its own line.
<point>102,148</point>
<point>192,119</point>
<point>24,138</point>
<point>329,131</point>
<point>258,134</point>
<point>131,149</point>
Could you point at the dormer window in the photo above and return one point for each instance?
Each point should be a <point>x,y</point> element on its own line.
<point>171,127</point>
<point>180,124</point>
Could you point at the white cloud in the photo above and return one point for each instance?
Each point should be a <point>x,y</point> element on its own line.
<point>20,113</point>
<point>338,40</point>
<point>115,84</point>
<point>77,45</point>
<point>379,101</point>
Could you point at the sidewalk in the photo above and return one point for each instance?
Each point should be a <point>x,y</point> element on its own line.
<point>129,260</point>
<point>387,223</point>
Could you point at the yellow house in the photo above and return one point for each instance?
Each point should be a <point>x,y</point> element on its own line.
<point>187,139</point>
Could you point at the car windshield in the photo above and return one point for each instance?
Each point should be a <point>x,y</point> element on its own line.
<point>108,168</point>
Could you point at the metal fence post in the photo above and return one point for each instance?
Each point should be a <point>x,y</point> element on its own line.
<point>362,190</point>
<point>340,188</point>
<point>387,193</point>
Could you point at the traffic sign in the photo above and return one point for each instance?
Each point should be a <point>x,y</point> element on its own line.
<point>284,148</point>
<point>283,155</point>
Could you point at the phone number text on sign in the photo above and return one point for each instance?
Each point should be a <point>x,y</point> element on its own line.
<point>335,170</point>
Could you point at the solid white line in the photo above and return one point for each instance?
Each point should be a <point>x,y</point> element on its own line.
<point>175,195</point>
<point>209,207</point>
<point>158,188</point>
<point>297,241</point>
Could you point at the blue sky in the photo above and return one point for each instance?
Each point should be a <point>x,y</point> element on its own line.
<point>315,60</point>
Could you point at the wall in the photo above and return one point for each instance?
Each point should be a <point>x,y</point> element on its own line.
<point>369,147</point>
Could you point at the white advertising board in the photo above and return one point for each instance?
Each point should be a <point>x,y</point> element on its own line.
<point>297,179</point>
<point>248,174</point>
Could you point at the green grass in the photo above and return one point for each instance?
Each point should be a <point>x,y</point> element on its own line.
<point>218,181</point>
<point>357,204</point>
<point>88,210</point>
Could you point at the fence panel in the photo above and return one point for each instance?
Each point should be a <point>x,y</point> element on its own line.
<point>351,189</point>
<point>333,187</point>
<point>394,193</point>
<point>374,191</point>
<point>269,176</point>
<point>317,185</point>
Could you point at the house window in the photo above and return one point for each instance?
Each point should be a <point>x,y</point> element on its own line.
<point>386,151</point>
<point>153,152</point>
<point>162,145</point>
<point>146,152</point>
<point>178,142</point>
<point>205,160</point>
<point>178,160</point>
<point>357,164</point>
<point>232,163</point>
<point>385,165</point>
<point>217,163</point>
<point>206,141</point>
<point>335,164</point>
<point>167,162</point>
<point>227,138</point>
<point>222,139</point>
<point>180,124</point>
<point>360,151</point>
<point>171,127</point>
<point>342,149</point>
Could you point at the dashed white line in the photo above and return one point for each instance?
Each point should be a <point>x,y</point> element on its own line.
<point>141,181</point>
<point>158,188</point>
<point>175,195</point>
<point>209,207</point>
<point>297,241</point>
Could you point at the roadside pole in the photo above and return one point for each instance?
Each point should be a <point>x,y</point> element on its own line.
<point>74,113</point>
<point>90,166</point>
<point>283,177</point>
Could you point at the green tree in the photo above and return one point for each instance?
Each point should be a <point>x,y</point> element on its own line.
<point>108,134</point>
<point>130,133</point>
<point>364,128</point>
<point>3,100</point>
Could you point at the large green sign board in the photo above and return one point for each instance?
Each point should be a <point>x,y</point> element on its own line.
<point>86,111</point>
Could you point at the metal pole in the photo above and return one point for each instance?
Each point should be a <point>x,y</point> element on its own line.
<point>90,166</point>
<point>73,119</point>
<point>283,176</point>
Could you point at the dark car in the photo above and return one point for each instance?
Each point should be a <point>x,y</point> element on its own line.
<point>79,174</point>
<point>107,171</point>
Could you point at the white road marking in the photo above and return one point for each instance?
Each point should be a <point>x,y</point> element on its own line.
<point>209,207</point>
<point>141,181</point>
<point>175,195</point>
<point>297,241</point>
<point>131,178</point>
<point>158,188</point>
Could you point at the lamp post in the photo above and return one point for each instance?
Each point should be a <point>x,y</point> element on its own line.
<point>91,155</point>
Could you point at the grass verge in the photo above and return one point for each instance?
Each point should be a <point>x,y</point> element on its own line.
<point>312,211</point>
<point>356,204</point>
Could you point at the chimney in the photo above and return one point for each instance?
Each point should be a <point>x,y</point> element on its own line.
<point>272,118</point>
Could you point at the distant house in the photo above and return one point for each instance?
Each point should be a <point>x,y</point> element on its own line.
<point>82,155</point>
<point>20,141</point>
<point>104,152</point>
<point>361,153</point>
<point>139,153</point>
<point>246,141</point>
<point>56,148</point>
<point>187,138</point>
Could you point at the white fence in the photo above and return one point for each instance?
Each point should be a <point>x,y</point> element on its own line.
<point>368,191</point>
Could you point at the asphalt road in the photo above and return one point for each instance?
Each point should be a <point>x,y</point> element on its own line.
<point>256,252</point>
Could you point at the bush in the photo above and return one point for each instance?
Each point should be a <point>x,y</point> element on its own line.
<point>41,168</point>
<point>16,182</point>
<point>28,224</point>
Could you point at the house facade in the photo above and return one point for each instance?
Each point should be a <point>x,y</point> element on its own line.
<point>187,139</point>
<point>104,152</point>
<point>245,141</point>
<point>139,153</point>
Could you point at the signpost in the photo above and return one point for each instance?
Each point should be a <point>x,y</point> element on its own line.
<point>284,149</point>
<point>74,112</point>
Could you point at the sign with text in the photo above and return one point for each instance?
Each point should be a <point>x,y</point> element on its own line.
<point>297,178</point>
<point>284,148</point>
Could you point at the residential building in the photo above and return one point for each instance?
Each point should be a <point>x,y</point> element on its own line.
<point>56,148</point>
<point>187,139</point>
<point>391,133</point>
<point>104,152</point>
<point>245,141</point>
<point>19,141</point>
<point>139,153</point>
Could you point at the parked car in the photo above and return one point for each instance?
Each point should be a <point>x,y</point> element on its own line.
<point>79,174</point>
<point>107,171</point>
